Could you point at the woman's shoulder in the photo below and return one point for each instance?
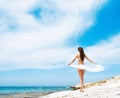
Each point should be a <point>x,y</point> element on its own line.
<point>77,55</point>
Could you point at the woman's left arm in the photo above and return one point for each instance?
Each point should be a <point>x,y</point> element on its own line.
<point>90,60</point>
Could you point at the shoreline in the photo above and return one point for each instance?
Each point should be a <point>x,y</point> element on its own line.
<point>108,88</point>
<point>29,91</point>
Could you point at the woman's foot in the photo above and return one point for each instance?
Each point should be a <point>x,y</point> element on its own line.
<point>82,90</point>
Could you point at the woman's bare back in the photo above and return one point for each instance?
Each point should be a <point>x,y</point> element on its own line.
<point>80,62</point>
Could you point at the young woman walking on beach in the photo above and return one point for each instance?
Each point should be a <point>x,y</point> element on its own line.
<point>81,56</point>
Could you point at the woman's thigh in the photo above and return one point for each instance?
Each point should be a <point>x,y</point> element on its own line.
<point>82,72</point>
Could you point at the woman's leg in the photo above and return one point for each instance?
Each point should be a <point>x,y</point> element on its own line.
<point>82,79</point>
<point>80,76</point>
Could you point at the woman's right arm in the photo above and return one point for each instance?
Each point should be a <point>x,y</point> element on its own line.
<point>73,60</point>
<point>90,60</point>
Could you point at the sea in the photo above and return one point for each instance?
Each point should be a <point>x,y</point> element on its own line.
<point>24,89</point>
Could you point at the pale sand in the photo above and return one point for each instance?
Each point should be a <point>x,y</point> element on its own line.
<point>109,88</point>
<point>25,95</point>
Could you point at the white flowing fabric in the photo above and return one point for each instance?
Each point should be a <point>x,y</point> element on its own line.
<point>90,68</point>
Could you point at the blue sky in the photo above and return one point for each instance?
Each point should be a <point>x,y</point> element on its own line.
<point>39,38</point>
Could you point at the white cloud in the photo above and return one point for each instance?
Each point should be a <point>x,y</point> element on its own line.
<point>106,52</point>
<point>30,42</point>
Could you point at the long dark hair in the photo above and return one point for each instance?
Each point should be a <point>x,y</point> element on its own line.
<point>82,55</point>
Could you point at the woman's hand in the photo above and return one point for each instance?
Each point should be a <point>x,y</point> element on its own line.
<point>95,63</point>
<point>69,64</point>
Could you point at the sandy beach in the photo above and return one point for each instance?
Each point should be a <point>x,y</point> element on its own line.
<point>109,88</point>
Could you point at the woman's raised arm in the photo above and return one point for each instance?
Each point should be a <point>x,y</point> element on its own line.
<point>73,60</point>
<point>90,60</point>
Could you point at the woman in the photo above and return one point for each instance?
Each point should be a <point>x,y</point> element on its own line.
<point>81,56</point>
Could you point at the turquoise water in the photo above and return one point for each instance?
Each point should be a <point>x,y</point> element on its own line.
<point>23,89</point>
